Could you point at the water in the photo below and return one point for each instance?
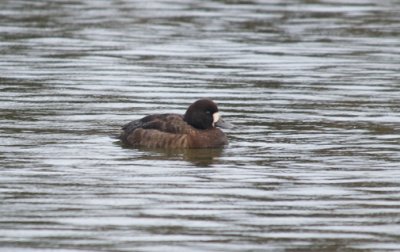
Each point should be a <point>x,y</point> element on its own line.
<point>311,86</point>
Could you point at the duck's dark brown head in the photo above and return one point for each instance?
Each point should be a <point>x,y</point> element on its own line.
<point>202,114</point>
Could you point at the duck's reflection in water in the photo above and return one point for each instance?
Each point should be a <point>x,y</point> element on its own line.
<point>198,157</point>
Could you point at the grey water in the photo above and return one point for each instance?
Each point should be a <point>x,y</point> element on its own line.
<point>312,87</point>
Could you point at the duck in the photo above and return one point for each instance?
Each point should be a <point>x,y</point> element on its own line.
<point>198,128</point>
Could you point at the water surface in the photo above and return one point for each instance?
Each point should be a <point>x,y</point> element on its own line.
<point>311,86</point>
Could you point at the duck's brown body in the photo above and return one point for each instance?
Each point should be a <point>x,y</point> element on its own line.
<point>172,131</point>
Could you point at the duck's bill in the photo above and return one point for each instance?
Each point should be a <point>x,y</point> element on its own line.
<point>223,124</point>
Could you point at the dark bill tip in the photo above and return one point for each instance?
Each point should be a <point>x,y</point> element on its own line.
<point>223,124</point>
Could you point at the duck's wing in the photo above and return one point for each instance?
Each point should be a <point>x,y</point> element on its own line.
<point>160,130</point>
<point>171,123</point>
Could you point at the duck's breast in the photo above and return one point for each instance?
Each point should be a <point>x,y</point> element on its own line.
<point>210,138</point>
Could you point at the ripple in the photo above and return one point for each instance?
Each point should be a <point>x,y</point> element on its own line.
<point>311,87</point>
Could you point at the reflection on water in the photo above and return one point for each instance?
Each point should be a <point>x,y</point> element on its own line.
<point>198,157</point>
<point>311,86</point>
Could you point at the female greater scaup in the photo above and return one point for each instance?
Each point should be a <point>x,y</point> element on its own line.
<point>197,128</point>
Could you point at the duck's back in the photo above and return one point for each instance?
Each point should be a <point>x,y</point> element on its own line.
<point>169,131</point>
<point>157,131</point>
